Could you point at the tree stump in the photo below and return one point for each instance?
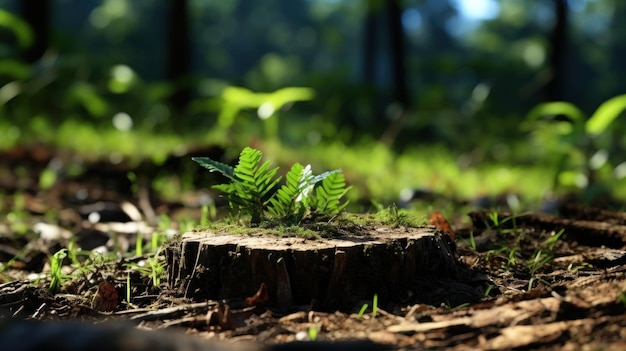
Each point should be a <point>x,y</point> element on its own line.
<point>334,272</point>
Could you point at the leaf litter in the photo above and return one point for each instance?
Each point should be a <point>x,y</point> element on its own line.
<point>562,294</point>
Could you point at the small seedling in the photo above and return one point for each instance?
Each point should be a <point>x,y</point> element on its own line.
<point>208,212</point>
<point>362,310</point>
<point>153,268</point>
<point>57,277</point>
<point>488,290</point>
<point>472,241</point>
<point>538,260</point>
<point>575,268</point>
<point>494,217</point>
<point>374,307</point>
<point>395,217</point>
<point>577,136</point>
<point>128,289</point>
<point>312,332</point>
<point>139,245</point>
<point>550,242</point>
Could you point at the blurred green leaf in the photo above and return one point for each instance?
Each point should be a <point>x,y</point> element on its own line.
<point>85,94</point>
<point>20,28</point>
<point>14,69</point>
<point>47,178</point>
<point>283,96</point>
<point>236,98</point>
<point>556,108</point>
<point>241,97</point>
<point>605,114</point>
<point>551,109</point>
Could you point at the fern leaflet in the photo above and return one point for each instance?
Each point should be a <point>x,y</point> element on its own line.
<point>328,194</point>
<point>283,203</point>
<point>215,166</point>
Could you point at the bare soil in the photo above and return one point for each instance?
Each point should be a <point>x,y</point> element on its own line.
<point>551,282</point>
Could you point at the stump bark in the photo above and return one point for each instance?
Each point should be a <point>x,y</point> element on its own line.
<point>328,273</point>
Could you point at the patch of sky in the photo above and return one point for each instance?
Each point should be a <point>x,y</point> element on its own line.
<point>470,14</point>
<point>477,10</point>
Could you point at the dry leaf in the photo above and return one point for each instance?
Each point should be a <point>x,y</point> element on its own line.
<point>260,298</point>
<point>439,221</point>
<point>106,298</point>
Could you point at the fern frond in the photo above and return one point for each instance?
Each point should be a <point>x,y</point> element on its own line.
<point>253,182</point>
<point>328,194</point>
<point>264,179</point>
<point>246,167</point>
<point>215,166</point>
<point>318,178</point>
<point>282,203</point>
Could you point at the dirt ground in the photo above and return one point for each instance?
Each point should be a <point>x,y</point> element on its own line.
<point>554,282</point>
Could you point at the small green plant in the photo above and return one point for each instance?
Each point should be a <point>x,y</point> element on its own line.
<point>362,310</point>
<point>395,217</point>
<point>139,245</point>
<point>551,242</point>
<point>508,254</point>
<point>312,332</point>
<point>57,276</point>
<point>542,256</point>
<point>252,185</point>
<point>472,240</point>
<point>209,212</point>
<point>128,289</point>
<point>366,305</point>
<point>494,217</point>
<point>153,268</point>
<point>575,268</point>
<point>496,222</point>
<point>578,141</point>
<point>538,260</point>
<point>488,290</point>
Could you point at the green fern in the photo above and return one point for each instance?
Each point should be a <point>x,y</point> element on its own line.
<point>328,194</point>
<point>215,166</point>
<point>251,184</point>
<point>283,204</point>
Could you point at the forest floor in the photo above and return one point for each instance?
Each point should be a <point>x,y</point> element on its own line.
<point>555,281</point>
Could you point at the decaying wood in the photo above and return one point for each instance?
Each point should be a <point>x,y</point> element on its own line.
<point>336,272</point>
<point>585,232</point>
<point>508,325</point>
<point>577,211</point>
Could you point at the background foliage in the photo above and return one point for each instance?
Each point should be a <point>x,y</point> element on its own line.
<point>411,75</point>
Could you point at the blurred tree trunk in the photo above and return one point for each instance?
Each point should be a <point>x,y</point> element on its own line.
<point>400,94</point>
<point>369,43</point>
<point>398,53</point>
<point>178,53</point>
<point>558,45</point>
<point>616,52</point>
<point>37,14</point>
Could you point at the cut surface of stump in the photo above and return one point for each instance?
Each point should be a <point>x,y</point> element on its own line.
<point>397,264</point>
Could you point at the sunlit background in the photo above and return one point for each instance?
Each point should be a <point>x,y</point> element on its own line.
<point>435,92</point>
